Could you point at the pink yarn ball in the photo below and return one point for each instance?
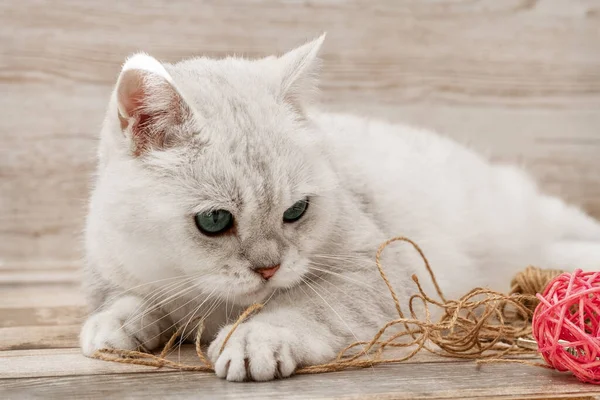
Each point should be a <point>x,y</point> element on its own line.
<point>566,324</point>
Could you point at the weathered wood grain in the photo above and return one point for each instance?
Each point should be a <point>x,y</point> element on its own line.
<point>67,362</point>
<point>41,295</point>
<point>404,381</point>
<point>40,308</point>
<point>56,362</point>
<point>519,78</point>
<point>28,276</point>
<point>41,316</point>
<point>39,337</point>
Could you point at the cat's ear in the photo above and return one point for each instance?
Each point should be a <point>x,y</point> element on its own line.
<point>151,111</point>
<point>300,73</point>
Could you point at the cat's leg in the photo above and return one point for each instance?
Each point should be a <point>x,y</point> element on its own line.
<point>306,328</point>
<point>125,323</point>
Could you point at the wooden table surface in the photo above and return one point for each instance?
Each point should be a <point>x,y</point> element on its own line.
<point>516,79</point>
<point>39,323</point>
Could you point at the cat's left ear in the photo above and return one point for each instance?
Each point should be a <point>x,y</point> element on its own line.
<point>152,111</point>
<point>300,72</point>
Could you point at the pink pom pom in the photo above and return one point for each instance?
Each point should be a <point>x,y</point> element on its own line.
<point>566,324</point>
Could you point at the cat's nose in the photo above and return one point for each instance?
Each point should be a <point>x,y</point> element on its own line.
<point>267,272</point>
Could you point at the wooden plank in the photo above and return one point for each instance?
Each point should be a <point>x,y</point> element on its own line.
<point>41,295</point>
<point>29,277</point>
<point>42,265</point>
<point>36,363</point>
<point>408,34</point>
<point>42,316</point>
<point>39,337</point>
<point>454,66</point>
<point>40,308</point>
<point>68,362</point>
<point>401,381</point>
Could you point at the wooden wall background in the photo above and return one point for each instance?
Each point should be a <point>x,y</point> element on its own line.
<point>519,79</point>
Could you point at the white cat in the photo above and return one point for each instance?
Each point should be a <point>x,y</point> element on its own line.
<point>218,187</point>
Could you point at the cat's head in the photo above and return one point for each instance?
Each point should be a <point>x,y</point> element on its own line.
<point>212,169</point>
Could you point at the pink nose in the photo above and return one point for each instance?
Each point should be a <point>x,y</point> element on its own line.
<point>267,273</point>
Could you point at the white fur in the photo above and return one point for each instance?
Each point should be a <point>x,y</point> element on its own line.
<point>250,145</point>
<point>144,62</point>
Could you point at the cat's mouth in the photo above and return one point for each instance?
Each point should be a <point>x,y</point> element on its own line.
<point>257,295</point>
<point>256,291</point>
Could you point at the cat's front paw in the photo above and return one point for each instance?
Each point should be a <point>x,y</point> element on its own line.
<point>103,331</point>
<point>116,328</point>
<point>256,351</point>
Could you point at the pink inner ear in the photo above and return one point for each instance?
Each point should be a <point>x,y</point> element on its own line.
<point>131,92</point>
<point>144,109</point>
<point>131,101</point>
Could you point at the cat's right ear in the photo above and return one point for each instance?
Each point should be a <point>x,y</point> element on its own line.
<point>151,111</point>
<point>299,73</point>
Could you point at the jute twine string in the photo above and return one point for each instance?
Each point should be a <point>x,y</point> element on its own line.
<point>531,281</point>
<point>483,325</point>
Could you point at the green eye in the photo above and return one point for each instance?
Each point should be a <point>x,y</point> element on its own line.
<point>295,212</point>
<point>214,222</point>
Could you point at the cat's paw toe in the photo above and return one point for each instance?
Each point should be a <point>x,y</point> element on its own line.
<point>124,326</point>
<point>256,351</point>
<point>104,331</point>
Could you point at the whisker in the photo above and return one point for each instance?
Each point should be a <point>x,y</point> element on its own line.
<point>136,314</point>
<point>227,299</point>
<point>115,296</point>
<point>140,316</point>
<point>349,266</point>
<point>161,291</point>
<point>195,310</point>
<point>232,307</point>
<point>177,309</point>
<point>270,297</point>
<point>214,305</point>
<point>347,278</point>
<point>339,257</point>
<point>332,309</point>
<point>338,267</point>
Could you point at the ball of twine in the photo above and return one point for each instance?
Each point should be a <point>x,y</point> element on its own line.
<point>531,281</point>
<point>566,324</point>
